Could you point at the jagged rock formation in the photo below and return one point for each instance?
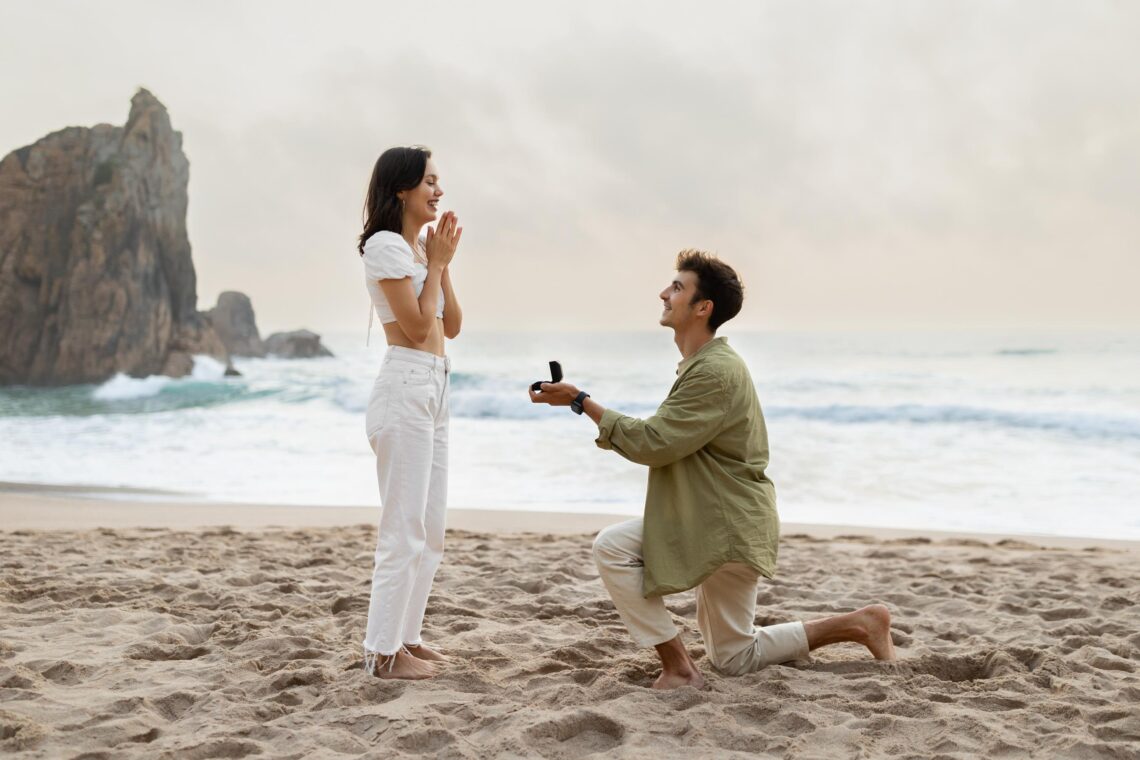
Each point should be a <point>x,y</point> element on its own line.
<point>95,269</point>
<point>234,321</point>
<point>299,344</point>
<point>235,324</point>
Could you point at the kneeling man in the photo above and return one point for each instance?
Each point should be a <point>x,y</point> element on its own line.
<point>710,511</point>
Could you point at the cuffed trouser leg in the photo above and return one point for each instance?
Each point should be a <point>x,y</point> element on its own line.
<point>617,552</point>
<point>726,611</point>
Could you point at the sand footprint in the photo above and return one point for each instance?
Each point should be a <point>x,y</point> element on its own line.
<point>581,733</point>
<point>1064,613</point>
<point>976,666</point>
<point>174,705</point>
<point>177,642</point>
<point>165,652</point>
<point>65,672</point>
<point>426,741</point>
<point>221,748</point>
<point>349,604</point>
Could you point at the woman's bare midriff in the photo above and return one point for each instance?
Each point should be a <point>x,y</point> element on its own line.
<point>433,345</point>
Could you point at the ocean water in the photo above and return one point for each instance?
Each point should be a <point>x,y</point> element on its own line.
<point>994,432</point>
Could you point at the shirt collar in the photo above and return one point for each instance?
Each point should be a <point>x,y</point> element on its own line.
<point>700,352</point>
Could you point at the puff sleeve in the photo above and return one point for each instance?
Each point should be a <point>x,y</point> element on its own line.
<point>387,259</point>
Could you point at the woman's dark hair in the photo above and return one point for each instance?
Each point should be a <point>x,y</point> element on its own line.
<point>396,170</point>
<point>716,282</point>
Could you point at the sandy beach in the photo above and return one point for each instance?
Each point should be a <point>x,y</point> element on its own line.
<point>132,630</point>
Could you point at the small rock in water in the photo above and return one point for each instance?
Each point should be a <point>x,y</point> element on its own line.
<point>299,344</point>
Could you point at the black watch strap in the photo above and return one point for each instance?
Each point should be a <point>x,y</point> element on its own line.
<point>576,404</point>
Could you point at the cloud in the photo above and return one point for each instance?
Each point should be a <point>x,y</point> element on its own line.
<point>887,164</point>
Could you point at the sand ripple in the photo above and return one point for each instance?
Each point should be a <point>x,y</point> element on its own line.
<point>225,644</point>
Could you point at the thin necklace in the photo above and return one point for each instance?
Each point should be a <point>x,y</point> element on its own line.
<point>420,257</point>
<point>417,255</point>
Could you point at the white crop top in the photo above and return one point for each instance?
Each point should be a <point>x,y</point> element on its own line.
<point>387,256</point>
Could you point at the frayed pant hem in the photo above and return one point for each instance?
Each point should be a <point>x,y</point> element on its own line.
<point>651,642</point>
<point>371,658</point>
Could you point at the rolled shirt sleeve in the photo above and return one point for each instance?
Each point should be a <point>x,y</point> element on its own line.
<point>387,260</point>
<point>688,419</point>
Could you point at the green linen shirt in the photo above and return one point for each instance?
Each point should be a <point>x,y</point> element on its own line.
<point>708,501</point>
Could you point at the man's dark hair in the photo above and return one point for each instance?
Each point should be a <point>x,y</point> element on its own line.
<point>716,282</point>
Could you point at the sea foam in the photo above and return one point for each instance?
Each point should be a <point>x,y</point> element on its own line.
<point>123,387</point>
<point>927,434</point>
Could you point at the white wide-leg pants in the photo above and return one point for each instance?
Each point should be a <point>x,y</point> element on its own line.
<point>406,423</point>
<point>726,608</point>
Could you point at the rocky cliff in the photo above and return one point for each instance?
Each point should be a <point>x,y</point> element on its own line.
<point>95,269</point>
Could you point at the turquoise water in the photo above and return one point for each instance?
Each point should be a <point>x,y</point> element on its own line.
<point>1010,432</point>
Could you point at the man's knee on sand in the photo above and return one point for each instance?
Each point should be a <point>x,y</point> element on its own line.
<point>737,665</point>
<point>734,651</point>
<point>748,660</point>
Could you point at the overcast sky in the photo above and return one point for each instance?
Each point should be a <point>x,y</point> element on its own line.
<point>866,165</point>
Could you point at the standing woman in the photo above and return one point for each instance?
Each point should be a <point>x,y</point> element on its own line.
<point>408,278</point>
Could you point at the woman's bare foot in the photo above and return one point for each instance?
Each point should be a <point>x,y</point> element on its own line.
<point>424,652</point>
<point>403,665</point>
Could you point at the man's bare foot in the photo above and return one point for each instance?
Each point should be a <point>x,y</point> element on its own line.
<point>677,667</point>
<point>869,626</point>
<point>876,621</point>
<point>424,652</point>
<point>672,680</point>
<point>404,666</point>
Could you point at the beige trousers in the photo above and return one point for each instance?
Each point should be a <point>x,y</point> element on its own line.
<point>726,608</point>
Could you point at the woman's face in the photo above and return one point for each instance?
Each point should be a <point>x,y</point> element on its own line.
<point>422,201</point>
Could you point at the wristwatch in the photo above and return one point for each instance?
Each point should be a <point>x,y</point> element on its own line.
<point>576,404</point>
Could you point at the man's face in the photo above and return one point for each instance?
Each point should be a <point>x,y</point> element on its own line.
<point>679,310</point>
